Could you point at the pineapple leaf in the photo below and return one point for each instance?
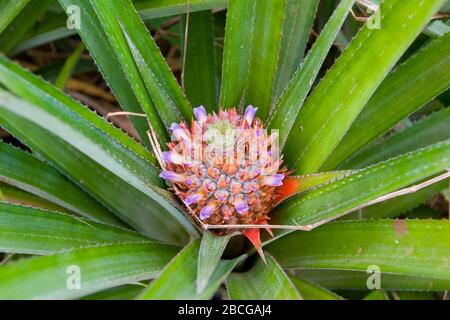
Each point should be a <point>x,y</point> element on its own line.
<point>178,279</point>
<point>252,38</point>
<point>287,107</point>
<point>297,25</point>
<point>98,164</point>
<point>420,79</point>
<point>24,21</point>
<point>395,246</point>
<point>26,172</point>
<point>311,291</point>
<point>21,231</point>
<point>357,280</point>
<point>345,90</point>
<point>429,130</point>
<point>261,282</point>
<point>100,267</point>
<point>211,250</point>
<point>13,195</point>
<point>148,73</point>
<point>163,8</point>
<point>394,207</point>
<point>199,77</point>
<point>9,10</point>
<point>337,198</point>
<point>102,50</point>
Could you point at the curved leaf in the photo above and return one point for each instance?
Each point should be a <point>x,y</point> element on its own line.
<point>310,291</point>
<point>199,77</point>
<point>178,279</point>
<point>210,252</point>
<point>427,131</point>
<point>413,248</point>
<point>262,282</point>
<point>288,105</point>
<point>357,280</point>
<point>13,195</point>
<point>252,38</point>
<point>9,10</point>
<point>297,25</point>
<point>99,268</point>
<point>22,231</point>
<point>345,90</point>
<point>338,198</point>
<point>97,42</point>
<point>82,152</point>
<point>26,172</point>
<point>397,97</point>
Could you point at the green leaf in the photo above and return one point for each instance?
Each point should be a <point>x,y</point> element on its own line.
<point>13,195</point>
<point>394,207</point>
<point>143,63</point>
<point>98,44</point>
<point>69,66</point>
<point>99,268</point>
<point>165,92</point>
<point>199,77</point>
<point>163,8</point>
<point>287,107</point>
<point>36,231</point>
<point>377,295</point>
<point>252,39</point>
<point>125,292</point>
<point>24,21</point>
<point>412,248</point>
<point>429,130</point>
<point>99,165</point>
<point>266,39</point>
<point>211,250</point>
<point>53,27</point>
<point>178,279</point>
<point>262,282</point>
<point>297,25</point>
<point>397,97</point>
<point>9,10</point>
<point>37,177</point>
<point>311,291</point>
<point>345,90</point>
<point>357,280</point>
<point>33,89</point>
<point>345,195</point>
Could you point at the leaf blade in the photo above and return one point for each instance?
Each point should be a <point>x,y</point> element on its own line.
<point>337,100</point>
<point>292,99</point>
<point>395,246</point>
<point>397,98</point>
<point>30,174</point>
<point>262,282</point>
<point>101,268</point>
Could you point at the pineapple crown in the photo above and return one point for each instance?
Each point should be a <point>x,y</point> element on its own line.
<point>224,167</point>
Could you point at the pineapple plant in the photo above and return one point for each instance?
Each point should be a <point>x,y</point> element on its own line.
<point>240,149</point>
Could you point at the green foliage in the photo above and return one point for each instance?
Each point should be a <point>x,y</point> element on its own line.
<point>360,122</point>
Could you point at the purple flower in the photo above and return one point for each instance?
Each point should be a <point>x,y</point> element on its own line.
<point>207,211</point>
<point>172,176</point>
<point>200,114</point>
<point>241,206</point>
<point>178,132</point>
<point>275,181</point>
<point>193,198</point>
<point>249,114</point>
<point>172,157</point>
